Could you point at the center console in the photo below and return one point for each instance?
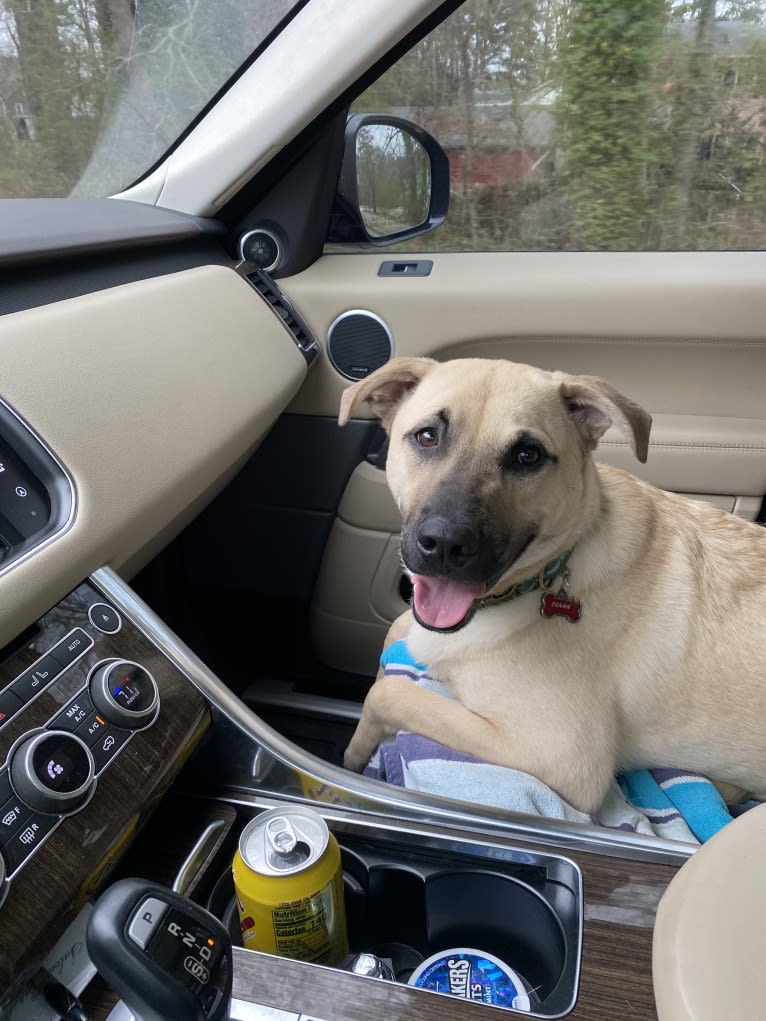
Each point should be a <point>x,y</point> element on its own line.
<point>411,895</point>
<point>106,716</point>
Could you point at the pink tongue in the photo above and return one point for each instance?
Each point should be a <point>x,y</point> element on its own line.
<point>441,603</point>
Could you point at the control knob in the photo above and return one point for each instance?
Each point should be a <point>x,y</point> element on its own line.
<point>52,771</point>
<point>125,693</point>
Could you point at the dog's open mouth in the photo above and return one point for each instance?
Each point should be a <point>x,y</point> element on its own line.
<point>443,605</point>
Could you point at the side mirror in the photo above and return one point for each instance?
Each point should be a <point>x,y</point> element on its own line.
<point>394,182</point>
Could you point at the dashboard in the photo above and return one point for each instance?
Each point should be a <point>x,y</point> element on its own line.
<point>150,393</point>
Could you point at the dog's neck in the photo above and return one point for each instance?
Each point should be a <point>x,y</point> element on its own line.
<point>544,580</point>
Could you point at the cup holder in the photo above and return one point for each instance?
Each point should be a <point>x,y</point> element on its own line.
<point>433,903</point>
<point>405,904</point>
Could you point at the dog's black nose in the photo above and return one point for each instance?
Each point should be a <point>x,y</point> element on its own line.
<point>445,544</point>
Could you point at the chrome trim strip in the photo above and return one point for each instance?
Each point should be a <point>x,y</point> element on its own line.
<point>281,695</point>
<point>198,854</point>
<point>322,782</point>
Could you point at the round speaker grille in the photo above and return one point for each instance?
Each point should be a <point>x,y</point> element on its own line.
<point>358,342</point>
<point>261,247</point>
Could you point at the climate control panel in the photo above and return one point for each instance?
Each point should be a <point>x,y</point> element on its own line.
<point>96,720</point>
<point>52,771</point>
<point>68,715</point>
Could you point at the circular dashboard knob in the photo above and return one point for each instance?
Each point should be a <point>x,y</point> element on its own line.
<point>52,771</point>
<point>125,693</point>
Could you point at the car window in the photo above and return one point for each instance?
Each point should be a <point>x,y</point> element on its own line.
<point>93,93</point>
<point>593,124</point>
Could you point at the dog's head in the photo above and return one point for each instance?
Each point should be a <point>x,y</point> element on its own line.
<point>490,465</point>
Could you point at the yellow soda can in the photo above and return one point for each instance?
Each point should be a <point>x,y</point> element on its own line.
<point>288,883</point>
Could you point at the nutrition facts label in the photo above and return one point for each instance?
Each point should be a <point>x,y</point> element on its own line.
<point>304,928</point>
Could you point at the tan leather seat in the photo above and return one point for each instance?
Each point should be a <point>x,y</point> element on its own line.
<point>710,932</point>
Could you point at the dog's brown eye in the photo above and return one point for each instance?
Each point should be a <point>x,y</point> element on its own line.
<point>528,456</point>
<point>427,437</point>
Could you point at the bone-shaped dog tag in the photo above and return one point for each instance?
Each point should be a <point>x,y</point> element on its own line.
<point>560,605</point>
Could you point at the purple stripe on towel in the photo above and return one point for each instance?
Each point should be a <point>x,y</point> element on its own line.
<point>391,763</point>
<point>414,747</point>
<point>664,775</point>
<point>407,671</point>
<point>661,816</point>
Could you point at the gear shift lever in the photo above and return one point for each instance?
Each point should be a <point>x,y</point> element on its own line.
<point>167,957</point>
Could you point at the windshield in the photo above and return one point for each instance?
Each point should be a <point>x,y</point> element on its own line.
<point>94,92</point>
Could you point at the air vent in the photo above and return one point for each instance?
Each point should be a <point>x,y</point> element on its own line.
<point>272,295</point>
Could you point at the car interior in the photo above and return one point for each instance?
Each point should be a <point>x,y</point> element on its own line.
<point>179,506</point>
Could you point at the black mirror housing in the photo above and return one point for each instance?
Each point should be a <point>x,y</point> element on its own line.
<point>393,184</point>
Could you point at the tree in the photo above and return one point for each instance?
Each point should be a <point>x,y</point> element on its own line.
<point>64,52</point>
<point>113,83</point>
<point>605,95</point>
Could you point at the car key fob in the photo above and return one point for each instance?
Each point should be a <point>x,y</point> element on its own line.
<point>166,956</point>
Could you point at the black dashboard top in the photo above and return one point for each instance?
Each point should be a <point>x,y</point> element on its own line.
<point>42,229</point>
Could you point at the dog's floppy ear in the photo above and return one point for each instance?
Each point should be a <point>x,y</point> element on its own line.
<point>385,388</point>
<point>594,404</point>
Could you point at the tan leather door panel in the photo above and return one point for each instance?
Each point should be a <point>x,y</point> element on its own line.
<point>684,334</point>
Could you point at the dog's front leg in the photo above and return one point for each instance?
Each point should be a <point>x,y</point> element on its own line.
<point>395,702</point>
<point>374,724</point>
<point>371,729</point>
<point>580,771</point>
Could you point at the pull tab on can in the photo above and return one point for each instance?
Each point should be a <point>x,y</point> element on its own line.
<point>285,849</point>
<point>281,835</point>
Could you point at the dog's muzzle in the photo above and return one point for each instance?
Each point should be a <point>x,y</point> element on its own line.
<point>452,567</point>
<point>448,562</point>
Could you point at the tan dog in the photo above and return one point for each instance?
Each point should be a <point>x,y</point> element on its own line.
<point>655,653</point>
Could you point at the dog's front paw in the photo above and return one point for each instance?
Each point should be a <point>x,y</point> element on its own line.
<point>354,761</point>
